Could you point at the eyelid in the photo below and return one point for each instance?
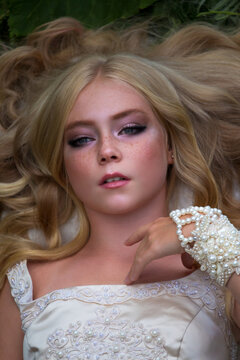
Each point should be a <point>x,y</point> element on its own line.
<point>133,124</point>
<point>76,134</point>
<point>130,129</point>
<point>73,142</point>
<point>77,137</point>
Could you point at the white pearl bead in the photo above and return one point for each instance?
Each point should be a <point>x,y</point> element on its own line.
<point>216,243</point>
<point>154,333</point>
<point>116,349</point>
<point>212,258</point>
<point>148,339</point>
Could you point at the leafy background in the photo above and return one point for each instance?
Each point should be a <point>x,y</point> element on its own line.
<point>19,17</point>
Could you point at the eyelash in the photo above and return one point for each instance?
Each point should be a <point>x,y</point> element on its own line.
<point>127,130</point>
<point>133,129</point>
<point>80,141</point>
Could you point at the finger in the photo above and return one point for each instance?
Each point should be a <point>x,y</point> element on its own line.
<point>142,259</point>
<point>187,260</point>
<point>137,235</point>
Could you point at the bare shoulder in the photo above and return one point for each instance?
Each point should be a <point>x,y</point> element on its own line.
<point>46,276</point>
<point>11,336</point>
<point>42,274</point>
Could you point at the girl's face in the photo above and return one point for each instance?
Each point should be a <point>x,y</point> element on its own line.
<point>115,151</point>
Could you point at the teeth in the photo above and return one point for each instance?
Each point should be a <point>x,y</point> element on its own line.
<point>114,179</point>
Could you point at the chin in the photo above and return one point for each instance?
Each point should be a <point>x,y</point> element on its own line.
<point>114,208</point>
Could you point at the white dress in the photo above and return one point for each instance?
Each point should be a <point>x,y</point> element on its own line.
<point>179,319</point>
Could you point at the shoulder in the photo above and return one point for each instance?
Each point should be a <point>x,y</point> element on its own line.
<point>42,275</point>
<point>46,276</point>
<point>11,339</point>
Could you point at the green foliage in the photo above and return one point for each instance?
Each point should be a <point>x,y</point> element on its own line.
<point>19,17</point>
<point>25,15</point>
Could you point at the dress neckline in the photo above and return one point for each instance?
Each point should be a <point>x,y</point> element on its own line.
<point>22,285</point>
<point>196,285</point>
<point>95,287</point>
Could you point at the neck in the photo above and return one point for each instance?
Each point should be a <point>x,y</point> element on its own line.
<point>109,232</point>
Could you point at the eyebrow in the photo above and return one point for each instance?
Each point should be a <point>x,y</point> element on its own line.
<point>117,116</point>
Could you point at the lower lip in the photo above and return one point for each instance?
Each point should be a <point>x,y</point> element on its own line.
<point>115,184</point>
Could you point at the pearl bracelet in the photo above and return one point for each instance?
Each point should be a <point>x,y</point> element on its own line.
<point>214,243</point>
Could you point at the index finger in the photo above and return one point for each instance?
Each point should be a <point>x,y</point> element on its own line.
<point>142,258</point>
<point>137,236</point>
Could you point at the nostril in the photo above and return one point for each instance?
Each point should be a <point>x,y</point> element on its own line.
<point>108,157</point>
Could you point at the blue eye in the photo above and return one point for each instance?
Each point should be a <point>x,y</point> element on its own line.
<point>80,141</point>
<point>132,130</point>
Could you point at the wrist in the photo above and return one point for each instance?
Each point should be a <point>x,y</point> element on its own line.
<point>214,243</point>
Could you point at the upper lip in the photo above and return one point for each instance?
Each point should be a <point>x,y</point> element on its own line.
<point>113,175</point>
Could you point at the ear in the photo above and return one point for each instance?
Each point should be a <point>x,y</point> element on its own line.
<point>170,156</point>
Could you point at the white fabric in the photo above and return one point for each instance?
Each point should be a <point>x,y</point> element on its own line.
<point>179,319</point>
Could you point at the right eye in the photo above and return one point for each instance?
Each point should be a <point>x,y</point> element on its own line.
<point>80,141</point>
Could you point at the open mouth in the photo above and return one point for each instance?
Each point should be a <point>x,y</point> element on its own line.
<point>116,178</point>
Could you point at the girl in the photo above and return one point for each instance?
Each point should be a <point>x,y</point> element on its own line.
<point>105,134</point>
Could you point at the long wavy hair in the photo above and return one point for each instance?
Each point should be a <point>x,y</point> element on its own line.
<point>194,94</point>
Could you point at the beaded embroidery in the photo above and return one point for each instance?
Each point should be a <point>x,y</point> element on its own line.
<point>106,337</point>
<point>209,292</point>
<point>195,286</point>
<point>20,283</point>
<point>214,244</point>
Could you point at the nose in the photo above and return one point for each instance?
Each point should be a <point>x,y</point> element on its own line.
<point>108,151</point>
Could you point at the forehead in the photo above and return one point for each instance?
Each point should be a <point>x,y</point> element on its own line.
<point>108,97</point>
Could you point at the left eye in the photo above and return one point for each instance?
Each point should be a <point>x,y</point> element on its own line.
<point>80,142</point>
<point>132,130</point>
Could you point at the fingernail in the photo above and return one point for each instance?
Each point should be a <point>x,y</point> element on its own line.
<point>128,280</point>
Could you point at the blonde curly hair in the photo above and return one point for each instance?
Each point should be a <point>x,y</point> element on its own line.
<point>192,82</point>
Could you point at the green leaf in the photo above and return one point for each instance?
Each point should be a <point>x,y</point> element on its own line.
<point>25,15</point>
<point>145,3</point>
<point>20,17</point>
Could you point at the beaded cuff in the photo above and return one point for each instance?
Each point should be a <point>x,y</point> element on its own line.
<point>214,243</point>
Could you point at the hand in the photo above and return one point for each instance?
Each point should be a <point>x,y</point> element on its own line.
<point>157,239</point>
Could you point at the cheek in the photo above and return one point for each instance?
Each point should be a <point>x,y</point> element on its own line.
<point>153,150</point>
<point>77,168</point>
<point>152,162</point>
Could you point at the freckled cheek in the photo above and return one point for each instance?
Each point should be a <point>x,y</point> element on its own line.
<point>78,169</point>
<point>150,150</point>
<point>150,162</point>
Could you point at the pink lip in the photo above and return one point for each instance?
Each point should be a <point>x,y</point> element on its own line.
<point>113,184</point>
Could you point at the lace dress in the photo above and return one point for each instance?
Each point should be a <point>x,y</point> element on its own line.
<point>179,319</point>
